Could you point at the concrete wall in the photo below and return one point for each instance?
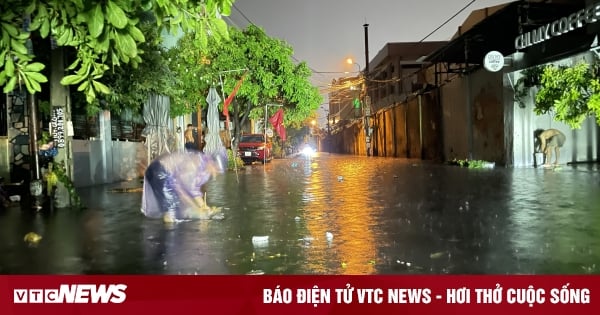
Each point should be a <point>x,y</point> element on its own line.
<point>126,161</point>
<point>473,117</point>
<point>5,151</point>
<point>582,145</point>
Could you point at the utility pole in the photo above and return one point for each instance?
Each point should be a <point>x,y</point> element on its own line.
<point>367,103</point>
<point>328,133</point>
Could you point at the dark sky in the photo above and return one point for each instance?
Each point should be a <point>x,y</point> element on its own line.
<point>324,33</point>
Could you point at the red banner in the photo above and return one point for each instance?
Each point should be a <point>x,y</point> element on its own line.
<point>277,121</point>
<point>299,295</point>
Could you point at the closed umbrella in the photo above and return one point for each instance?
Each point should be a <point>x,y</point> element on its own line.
<point>159,136</point>
<point>213,140</point>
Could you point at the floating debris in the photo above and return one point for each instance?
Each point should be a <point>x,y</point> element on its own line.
<point>126,190</point>
<point>32,238</point>
<point>340,178</point>
<point>14,198</point>
<point>297,218</point>
<point>255,273</point>
<point>437,255</point>
<point>329,236</point>
<point>259,241</point>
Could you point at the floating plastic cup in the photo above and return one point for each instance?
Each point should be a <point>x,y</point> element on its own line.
<point>260,240</point>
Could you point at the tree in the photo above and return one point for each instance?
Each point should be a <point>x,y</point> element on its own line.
<point>105,35</point>
<point>270,76</point>
<point>130,86</point>
<point>572,93</point>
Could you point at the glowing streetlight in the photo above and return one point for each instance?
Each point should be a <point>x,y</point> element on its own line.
<point>350,61</point>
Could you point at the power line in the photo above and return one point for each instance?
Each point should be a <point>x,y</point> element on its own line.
<point>447,21</point>
<point>293,57</point>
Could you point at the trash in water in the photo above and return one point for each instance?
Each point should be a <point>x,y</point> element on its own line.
<point>488,165</point>
<point>260,240</point>
<point>32,238</point>
<point>437,255</point>
<point>307,239</point>
<point>255,273</point>
<point>340,178</point>
<point>329,236</point>
<point>14,198</point>
<point>297,219</point>
<point>218,216</point>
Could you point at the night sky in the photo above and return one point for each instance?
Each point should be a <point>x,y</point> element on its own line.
<point>324,33</point>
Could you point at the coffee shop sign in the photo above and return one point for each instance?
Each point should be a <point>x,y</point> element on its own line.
<point>561,26</point>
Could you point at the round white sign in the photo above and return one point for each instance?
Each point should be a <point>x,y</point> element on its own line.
<point>493,61</point>
<point>270,133</point>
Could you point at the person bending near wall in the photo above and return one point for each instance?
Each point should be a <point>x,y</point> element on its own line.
<point>551,139</point>
<point>189,137</point>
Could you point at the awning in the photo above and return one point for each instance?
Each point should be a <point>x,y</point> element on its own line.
<point>498,27</point>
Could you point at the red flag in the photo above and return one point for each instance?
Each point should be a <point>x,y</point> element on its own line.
<point>277,122</point>
<point>229,99</point>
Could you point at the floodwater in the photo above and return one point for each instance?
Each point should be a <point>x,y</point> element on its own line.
<point>331,214</point>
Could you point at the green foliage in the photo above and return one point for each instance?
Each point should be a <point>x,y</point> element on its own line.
<point>529,77</point>
<point>130,86</point>
<point>234,163</point>
<point>59,171</point>
<point>571,93</point>
<point>472,163</point>
<point>271,77</point>
<point>105,34</point>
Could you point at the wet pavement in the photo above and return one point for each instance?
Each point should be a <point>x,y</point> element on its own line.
<point>331,214</point>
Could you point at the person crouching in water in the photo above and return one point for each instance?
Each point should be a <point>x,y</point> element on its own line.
<point>551,139</point>
<point>173,185</point>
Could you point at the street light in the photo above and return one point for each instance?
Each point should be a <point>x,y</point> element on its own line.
<point>350,61</point>
<point>366,109</point>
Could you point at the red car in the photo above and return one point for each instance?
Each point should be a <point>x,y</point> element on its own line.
<point>255,148</point>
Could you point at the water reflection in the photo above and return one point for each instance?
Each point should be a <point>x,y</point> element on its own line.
<point>332,215</point>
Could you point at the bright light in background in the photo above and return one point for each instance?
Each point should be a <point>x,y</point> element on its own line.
<point>308,151</point>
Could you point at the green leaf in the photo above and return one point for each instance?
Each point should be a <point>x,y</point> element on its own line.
<point>84,85</point>
<point>45,28</point>
<point>136,34</point>
<point>31,7</point>
<point>125,45</point>
<point>28,85</point>
<point>2,77</point>
<point>2,55</point>
<point>90,95</point>
<point>103,43</point>
<point>10,85</point>
<point>35,86</point>
<point>64,37</point>
<point>36,76</point>
<point>100,87</point>
<point>96,21</point>
<point>71,79</point>
<point>18,46</point>
<point>35,67</point>
<point>11,29</point>
<point>74,64</point>
<point>9,67</point>
<point>115,15</point>
<point>221,27</point>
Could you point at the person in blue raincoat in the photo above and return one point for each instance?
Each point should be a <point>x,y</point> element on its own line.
<point>173,185</point>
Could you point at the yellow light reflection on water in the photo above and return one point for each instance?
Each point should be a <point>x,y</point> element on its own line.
<point>346,214</point>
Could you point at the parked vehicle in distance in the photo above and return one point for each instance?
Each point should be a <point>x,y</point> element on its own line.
<point>255,148</point>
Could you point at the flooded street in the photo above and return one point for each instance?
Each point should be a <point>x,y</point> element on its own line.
<point>331,214</point>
